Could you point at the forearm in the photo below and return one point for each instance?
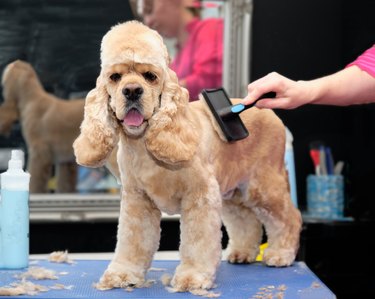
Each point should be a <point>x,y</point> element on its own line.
<point>347,87</point>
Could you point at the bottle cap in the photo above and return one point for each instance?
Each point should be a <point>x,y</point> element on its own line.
<point>15,178</point>
<point>16,160</point>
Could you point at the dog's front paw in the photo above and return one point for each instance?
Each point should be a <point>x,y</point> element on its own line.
<point>236,256</point>
<point>278,257</point>
<point>191,280</point>
<point>117,276</point>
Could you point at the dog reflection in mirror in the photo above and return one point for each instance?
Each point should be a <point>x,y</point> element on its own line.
<point>49,126</point>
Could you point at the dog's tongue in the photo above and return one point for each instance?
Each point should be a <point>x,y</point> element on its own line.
<point>133,118</point>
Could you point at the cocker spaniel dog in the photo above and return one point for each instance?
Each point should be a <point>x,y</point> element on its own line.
<point>172,157</point>
<point>49,126</point>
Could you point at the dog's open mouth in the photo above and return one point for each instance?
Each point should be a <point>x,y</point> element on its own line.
<point>133,118</point>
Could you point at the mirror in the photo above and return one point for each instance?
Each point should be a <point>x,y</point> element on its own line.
<point>58,45</point>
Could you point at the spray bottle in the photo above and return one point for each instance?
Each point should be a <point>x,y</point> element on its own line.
<point>14,214</point>
<point>289,164</point>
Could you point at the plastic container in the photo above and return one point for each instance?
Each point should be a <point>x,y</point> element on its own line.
<point>290,166</point>
<point>14,214</point>
<point>325,196</point>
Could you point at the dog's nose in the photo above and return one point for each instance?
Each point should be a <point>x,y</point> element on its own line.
<point>132,92</point>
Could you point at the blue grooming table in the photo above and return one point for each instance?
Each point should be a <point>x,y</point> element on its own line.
<point>233,281</point>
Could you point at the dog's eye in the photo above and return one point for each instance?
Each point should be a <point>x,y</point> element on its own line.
<point>115,77</point>
<point>150,76</point>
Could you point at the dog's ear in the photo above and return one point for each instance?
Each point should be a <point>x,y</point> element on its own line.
<point>172,136</point>
<point>99,129</point>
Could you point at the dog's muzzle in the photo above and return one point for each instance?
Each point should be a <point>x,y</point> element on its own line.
<point>133,92</point>
<point>133,120</point>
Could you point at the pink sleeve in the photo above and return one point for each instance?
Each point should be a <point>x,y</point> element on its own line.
<point>207,67</point>
<point>366,61</point>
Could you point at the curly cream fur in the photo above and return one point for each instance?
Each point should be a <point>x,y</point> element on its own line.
<point>49,126</point>
<point>176,161</point>
<point>167,139</point>
<point>98,131</point>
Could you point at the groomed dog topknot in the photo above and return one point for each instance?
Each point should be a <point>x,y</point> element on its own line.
<point>123,42</point>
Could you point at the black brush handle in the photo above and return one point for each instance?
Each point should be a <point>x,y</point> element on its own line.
<point>268,95</point>
<point>230,111</point>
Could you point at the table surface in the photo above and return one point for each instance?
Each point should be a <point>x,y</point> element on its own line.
<point>233,281</point>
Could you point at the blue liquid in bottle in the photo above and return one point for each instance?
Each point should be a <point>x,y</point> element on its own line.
<point>14,216</point>
<point>14,219</point>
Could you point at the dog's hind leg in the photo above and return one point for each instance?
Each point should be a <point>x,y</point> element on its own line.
<point>40,168</point>
<point>243,228</point>
<point>66,176</point>
<point>271,202</point>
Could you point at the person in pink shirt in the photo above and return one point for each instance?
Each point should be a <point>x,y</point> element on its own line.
<point>199,57</point>
<point>353,85</point>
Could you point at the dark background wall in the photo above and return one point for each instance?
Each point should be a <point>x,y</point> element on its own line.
<point>308,39</point>
<point>61,39</point>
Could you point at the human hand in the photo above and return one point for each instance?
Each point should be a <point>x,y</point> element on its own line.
<point>289,94</point>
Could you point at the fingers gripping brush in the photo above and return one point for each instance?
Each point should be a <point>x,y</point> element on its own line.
<point>227,115</point>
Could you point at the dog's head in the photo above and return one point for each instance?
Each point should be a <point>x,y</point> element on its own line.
<point>16,74</point>
<point>134,70</point>
<point>142,94</point>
